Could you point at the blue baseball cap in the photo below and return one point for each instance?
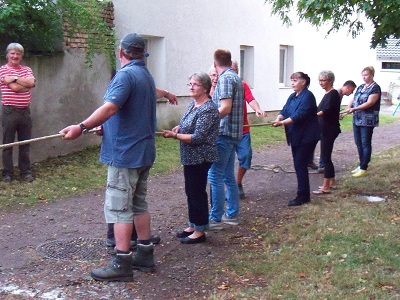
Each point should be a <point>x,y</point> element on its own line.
<point>133,42</point>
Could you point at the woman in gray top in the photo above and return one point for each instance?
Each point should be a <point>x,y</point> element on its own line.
<point>197,132</point>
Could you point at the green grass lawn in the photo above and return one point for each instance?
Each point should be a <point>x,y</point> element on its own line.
<point>344,247</point>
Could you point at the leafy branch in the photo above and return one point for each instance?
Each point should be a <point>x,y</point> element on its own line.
<point>41,26</point>
<point>383,14</point>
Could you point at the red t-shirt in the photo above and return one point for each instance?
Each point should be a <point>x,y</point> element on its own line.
<point>248,97</point>
<point>8,96</point>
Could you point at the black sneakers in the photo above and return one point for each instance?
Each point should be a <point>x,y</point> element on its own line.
<point>155,239</point>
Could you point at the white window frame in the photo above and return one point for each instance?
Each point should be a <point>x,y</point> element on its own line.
<point>286,65</point>
<point>246,64</point>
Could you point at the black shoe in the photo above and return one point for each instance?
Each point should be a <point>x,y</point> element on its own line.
<point>27,178</point>
<point>110,242</point>
<point>312,165</point>
<point>7,178</point>
<point>155,239</point>
<point>188,240</point>
<point>183,234</point>
<point>295,202</point>
<point>241,192</point>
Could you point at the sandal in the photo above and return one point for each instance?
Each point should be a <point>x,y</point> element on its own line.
<point>331,187</point>
<point>321,192</point>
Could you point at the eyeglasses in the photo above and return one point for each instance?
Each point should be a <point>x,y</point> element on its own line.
<point>193,85</point>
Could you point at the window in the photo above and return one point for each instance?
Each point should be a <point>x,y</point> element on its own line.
<point>155,47</point>
<point>282,65</point>
<point>286,62</point>
<point>246,64</point>
<point>390,65</point>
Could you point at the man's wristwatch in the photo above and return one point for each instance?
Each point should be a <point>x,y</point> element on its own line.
<point>15,78</point>
<point>83,128</point>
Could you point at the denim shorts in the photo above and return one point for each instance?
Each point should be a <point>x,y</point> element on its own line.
<point>125,194</point>
<point>244,151</point>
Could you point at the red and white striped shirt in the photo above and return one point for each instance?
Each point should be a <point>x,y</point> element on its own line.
<point>8,96</point>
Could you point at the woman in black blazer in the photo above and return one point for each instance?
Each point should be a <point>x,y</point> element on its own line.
<point>299,116</point>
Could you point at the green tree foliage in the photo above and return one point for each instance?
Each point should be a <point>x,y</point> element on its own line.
<point>39,25</point>
<point>384,15</point>
<point>85,16</point>
<point>35,24</point>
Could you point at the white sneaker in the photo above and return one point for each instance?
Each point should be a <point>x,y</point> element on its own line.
<point>360,173</point>
<point>230,221</point>
<point>356,170</point>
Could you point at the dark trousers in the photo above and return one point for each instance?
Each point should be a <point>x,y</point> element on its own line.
<point>327,142</point>
<point>301,157</point>
<point>195,188</point>
<point>110,232</point>
<point>363,139</point>
<point>16,121</point>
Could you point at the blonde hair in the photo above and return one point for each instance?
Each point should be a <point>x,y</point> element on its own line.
<point>370,70</point>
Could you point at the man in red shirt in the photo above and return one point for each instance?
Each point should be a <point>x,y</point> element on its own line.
<point>16,81</point>
<point>243,148</point>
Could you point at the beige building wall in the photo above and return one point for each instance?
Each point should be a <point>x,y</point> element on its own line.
<point>66,93</point>
<point>184,34</point>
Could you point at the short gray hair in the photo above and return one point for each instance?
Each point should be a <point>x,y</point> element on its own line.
<point>204,79</point>
<point>328,75</point>
<point>211,69</point>
<point>15,46</point>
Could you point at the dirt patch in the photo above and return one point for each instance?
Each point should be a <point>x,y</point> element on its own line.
<point>183,271</point>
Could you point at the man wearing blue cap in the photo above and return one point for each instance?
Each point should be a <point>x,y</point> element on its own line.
<point>128,119</point>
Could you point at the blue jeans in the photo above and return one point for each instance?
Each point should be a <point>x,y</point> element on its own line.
<point>363,140</point>
<point>221,174</point>
<point>244,151</point>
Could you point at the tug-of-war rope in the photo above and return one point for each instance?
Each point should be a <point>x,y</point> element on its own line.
<point>277,168</point>
<point>273,168</point>
<point>58,135</point>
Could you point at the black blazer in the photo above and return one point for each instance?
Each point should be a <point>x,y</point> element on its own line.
<point>303,111</point>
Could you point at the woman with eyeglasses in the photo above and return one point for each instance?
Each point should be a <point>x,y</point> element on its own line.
<point>365,108</point>
<point>197,132</point>
<point>299,116</point>
<point>328,117</point>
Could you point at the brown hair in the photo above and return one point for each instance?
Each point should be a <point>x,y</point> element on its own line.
<point>301,75</point>
<point>350,83</point>
<point>223,58</point>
